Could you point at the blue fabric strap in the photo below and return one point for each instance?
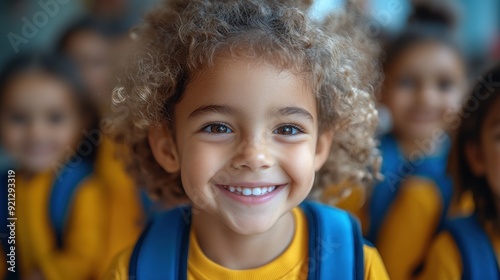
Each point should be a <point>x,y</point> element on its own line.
<point>478,258</point>
<point>396,168</point>
<point>162,249</point>
<point>65,185</point>
<point>335,243</point>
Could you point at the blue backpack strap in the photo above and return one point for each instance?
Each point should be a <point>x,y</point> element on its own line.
<point>65,185</point>
<point>384,192</point>
<point>434,168</point>
<point>4,230</point>
<point>335,243</point>
<point>478,258</point>
<point>162,250</point>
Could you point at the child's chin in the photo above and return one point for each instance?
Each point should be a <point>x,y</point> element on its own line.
<point>37,167</point>
<point>252,226</point>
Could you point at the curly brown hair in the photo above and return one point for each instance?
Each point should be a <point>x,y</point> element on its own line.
<point>183,37</point>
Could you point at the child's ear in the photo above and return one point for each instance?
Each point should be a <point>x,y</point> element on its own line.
<point>323,147</point>
<point>164,149</point>
<point>475,159</point>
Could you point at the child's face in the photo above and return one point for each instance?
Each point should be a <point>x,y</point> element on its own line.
<point>247,143</point>
<point>484,158</point>
<point>39,120</point>
<point>423,86</point>
<point>91,52</point>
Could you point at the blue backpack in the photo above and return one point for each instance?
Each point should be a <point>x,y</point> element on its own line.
<point>479,261</point>
<point>162,250</point>
<point>384,193</point>
<point>61,198</point>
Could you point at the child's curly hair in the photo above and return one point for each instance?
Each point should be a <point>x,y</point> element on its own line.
<point>183,37</point>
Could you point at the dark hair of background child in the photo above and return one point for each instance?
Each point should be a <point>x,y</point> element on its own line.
<point>469,132</point>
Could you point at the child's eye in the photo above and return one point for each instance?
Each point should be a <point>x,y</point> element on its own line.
<point>288,130</point>
<point>217,128</point>
<point>445,85</point>
<point>18,118</point>
<point>406,82</point>
<point>56,118</point>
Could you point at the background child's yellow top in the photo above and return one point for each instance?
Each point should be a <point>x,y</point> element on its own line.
<point>410,226</point>
<point>124,213</point>
<point>444,260</point>
<point>292,264</point>
<point>35,238</point>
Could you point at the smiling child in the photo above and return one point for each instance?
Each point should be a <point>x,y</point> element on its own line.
<point>234,106</point>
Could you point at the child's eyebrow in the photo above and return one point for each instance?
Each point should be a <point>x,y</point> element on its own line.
<point>226,110</point>
<point>222,109</point>
<point>287,111</point>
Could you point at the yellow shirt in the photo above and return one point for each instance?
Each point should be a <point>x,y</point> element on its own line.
<point>292,264</point>
<point>409,227</point>
<point>444,260</point>
<point>411,224</point>
<point>124,215</point>
<point>35,240</point>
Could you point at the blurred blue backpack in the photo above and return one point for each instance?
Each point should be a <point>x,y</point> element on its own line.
<point>384,193</point>
<point>479,261</point>
<point>65,186</point>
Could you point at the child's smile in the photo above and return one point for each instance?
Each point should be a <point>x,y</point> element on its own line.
<point>246,143</point>
<point>251,193</point>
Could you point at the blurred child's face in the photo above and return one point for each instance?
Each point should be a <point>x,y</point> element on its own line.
<point>485,159</point>
<point>423,86</point>
<point>39,120</point>
<point>247,143</point>
<point>91,52</point>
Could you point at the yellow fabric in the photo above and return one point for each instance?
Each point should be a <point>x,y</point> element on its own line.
<point>444,260</point>
<point>463,207</point>
<point>124,215</point>
<point>354,203</point>
<point>409,227</point>
<point>35,240</point>
<point>290,265</point>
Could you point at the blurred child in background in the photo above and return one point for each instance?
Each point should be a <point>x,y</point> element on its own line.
<point>469,248</point>
<point>44,117</point>
<point>88,42</point>
<point>93,44</point>
<point>425,79</point>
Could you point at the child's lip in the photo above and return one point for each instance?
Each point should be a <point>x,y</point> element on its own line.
<point>251,184</point>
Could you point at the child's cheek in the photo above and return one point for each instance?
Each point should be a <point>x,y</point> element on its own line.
<point>298,162</point>
<point>200,165</point>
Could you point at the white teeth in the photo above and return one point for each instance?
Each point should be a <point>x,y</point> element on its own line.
<point>247,191</point>
<point>250,191</point>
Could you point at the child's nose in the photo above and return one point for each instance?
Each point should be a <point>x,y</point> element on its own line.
<point>427,96</point>
<point>254,155</point>
<point>36,129</point>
